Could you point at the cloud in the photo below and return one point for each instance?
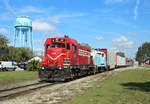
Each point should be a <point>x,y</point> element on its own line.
<point>9,7</point>
<point>116,1</point>
<point>131,34</point>
<point>52,19</point>
<point>112,1</point>
<point>57,34</point>
<point>43,27</point>
<point>4,31</point>
<point>39,49</point>
<point>99,38</point>
<point>31,9</point>
<point>136,9</point>
<point>109,33</point>
<point>119,21</point>
<point>55,20</point>
<point>39,41</point>
<point>6,16</point>
<point>123,43</point>
<point>114,49</point>
<point>70,15</point>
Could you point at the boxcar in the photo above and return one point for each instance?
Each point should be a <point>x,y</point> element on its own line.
<point>121,61</point>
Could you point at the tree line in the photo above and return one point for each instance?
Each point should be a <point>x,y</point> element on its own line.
<point>11,53</point>
<point>143,52</point>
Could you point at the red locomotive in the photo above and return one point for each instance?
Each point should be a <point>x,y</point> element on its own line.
<point>65,58</point>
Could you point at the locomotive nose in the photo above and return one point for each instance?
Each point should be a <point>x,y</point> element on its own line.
<point>56,52</point>
<point>56,57</point>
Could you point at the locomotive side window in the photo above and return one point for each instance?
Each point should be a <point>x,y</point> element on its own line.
<point>68,46</point>
<point>54,46</point>
<point>99,53</point>
<point>74,48</point>
<point>47,47</point>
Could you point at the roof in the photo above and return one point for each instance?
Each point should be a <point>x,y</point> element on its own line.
<point>147,59</point>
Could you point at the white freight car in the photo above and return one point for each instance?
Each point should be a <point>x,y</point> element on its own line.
<point>111,60</point>
<point>121,61</point>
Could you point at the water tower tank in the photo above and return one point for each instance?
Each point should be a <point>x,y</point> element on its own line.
<point>23,23</point>
<point>23,32</point>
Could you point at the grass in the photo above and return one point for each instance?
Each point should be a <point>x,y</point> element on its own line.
<point>128,87</point>
<point>15,77</point>
<point>146,66</point>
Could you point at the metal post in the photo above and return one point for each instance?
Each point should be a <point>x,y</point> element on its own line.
<point>31,38</point>
<point>20,38</point>
<point>15,37</point>
<point>23,38</point>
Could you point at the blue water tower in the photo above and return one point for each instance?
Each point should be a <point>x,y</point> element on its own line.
<point>23,32</point>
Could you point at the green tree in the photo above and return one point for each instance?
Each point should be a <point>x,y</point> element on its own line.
<point>121,54</point>
<point>143,52</point>
<point>19,54</point>
<point>33,65</point>
<point>86,44</point>
<point>22,54</point>
<point>3,45</point>
<point>3,41</point>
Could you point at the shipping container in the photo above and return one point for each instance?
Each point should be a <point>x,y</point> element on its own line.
<point>121,61</point>
<point>111,60</point>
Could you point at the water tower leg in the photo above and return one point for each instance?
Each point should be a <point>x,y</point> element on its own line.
<point>31,39</point>
<point>26,39</point>
<point>23,35</point>
<point>20,40</point>
<point>15,37</point>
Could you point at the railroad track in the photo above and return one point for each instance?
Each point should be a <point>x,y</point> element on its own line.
<point>16,91</point>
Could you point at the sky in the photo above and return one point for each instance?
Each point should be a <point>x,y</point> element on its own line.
<point>118,25</point>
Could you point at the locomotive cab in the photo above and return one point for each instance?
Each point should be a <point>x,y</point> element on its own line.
<point>57,52</point>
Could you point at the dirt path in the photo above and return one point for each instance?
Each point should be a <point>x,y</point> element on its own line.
<point>57,94</point>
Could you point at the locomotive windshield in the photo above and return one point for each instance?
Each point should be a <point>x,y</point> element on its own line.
<point>58,45</point>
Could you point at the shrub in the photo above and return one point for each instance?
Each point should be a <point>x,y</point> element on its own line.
<point>33,65</point>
